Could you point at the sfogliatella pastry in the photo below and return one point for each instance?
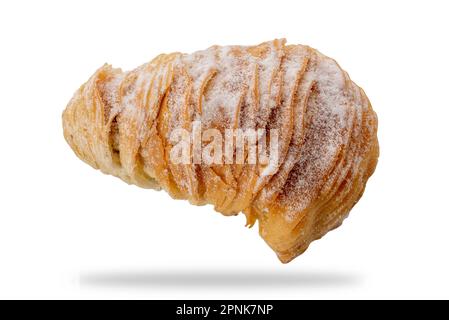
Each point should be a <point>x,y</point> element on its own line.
<point>278,132</point>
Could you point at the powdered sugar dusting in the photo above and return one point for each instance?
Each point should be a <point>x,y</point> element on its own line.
<point>328,113</point>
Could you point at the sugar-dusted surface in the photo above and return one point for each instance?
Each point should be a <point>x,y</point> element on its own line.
<point>122,123</point>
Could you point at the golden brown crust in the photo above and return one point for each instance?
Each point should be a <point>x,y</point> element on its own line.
<point>121,122</point>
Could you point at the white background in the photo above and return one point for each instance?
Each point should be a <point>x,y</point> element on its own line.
<point>68,231</point>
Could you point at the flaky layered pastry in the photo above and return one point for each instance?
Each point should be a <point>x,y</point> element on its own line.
<point>121,122</point>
